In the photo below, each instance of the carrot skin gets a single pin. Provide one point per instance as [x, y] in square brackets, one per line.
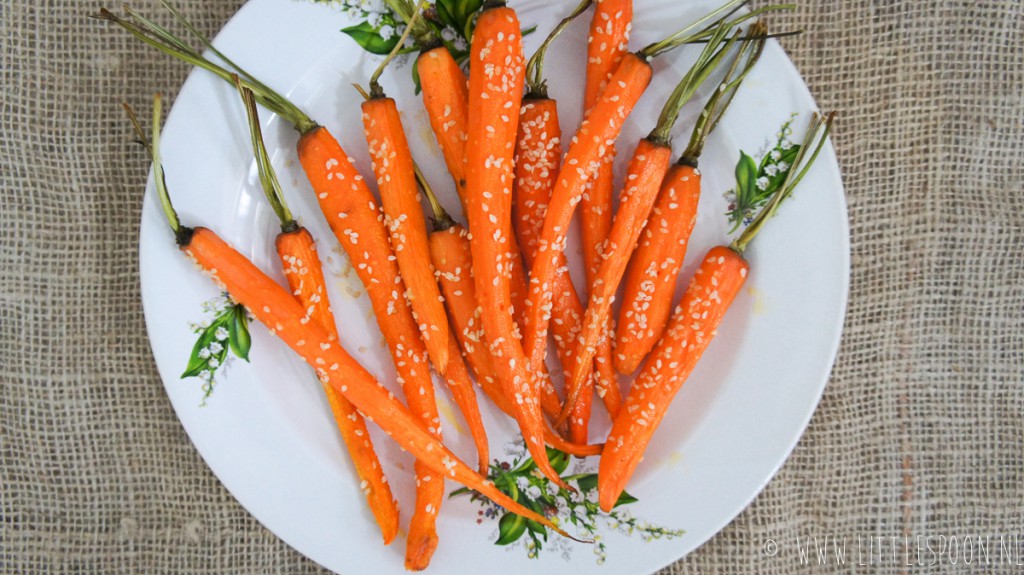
[446, 100]
[495, 86]
[607, 44]
[650, 279]
[710, 293]
[358, 224]
[274, 307]
[302, 269]
[396, 180]
[450, 252]
[599, 130]
[538, 160]
[461, 388]
[644, 177]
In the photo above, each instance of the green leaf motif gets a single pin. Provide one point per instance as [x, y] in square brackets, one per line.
[746, 176]
[446, 15]
[587, 482]
[238, 333]
[510, 528]
[465, 10]
[370, 39]
[625, 499]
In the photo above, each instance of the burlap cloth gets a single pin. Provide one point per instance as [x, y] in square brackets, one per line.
[920, 430]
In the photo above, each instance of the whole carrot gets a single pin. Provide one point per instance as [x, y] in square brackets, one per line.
[274, 307]
[598, 130]
[358, 223]
[646, 174]
[302, 269]
[538, 159]
[607, 43]
[446, 100]
[694, 322]
[495, 94]
[392, 163]
[450, 252]
[651, 276]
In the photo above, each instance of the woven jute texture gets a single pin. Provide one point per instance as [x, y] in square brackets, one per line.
[920, 431]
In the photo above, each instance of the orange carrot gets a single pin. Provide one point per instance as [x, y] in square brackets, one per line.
[607, 43]
[600, 128]
[450, 254]
[654, 266]
[392, 163]
[694, 322]
[357, 222]
[495, 93]
[648, 167]
[446, 99]
[538, 157]
[302, 269]
[274, 307]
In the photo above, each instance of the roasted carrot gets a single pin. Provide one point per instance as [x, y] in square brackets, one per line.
[646, 173]
[598, 130]
[654, 266]
[538, 158]
[357, 222]
[607, 43]
[392, 163]
[277, 309]
[694, 322]
[450, 253]
[495, 94]
[302, 269]
[446, 99]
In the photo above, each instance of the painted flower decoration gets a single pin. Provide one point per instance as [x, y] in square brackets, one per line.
[757, 181]
[522, 481]
[223, 335]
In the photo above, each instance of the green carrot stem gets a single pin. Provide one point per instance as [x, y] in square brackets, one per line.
[718, 103]
[268, 177]
[536, 85]
[705, 27]
[796, 173]
[376, 91]
[182, 234]
[708, 59]
[165, 41]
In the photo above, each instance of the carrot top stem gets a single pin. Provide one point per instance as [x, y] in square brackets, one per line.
[440, 218]
[817, 125]
[718, 103]
[535, 82]
[182, 234]
[708, 60]
[268, 177]
[165, 41]
[375, 89]
[705, 27]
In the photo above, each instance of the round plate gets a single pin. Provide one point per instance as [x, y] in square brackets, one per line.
[266, 430]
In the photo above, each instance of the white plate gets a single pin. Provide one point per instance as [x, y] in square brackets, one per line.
[266, 431]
